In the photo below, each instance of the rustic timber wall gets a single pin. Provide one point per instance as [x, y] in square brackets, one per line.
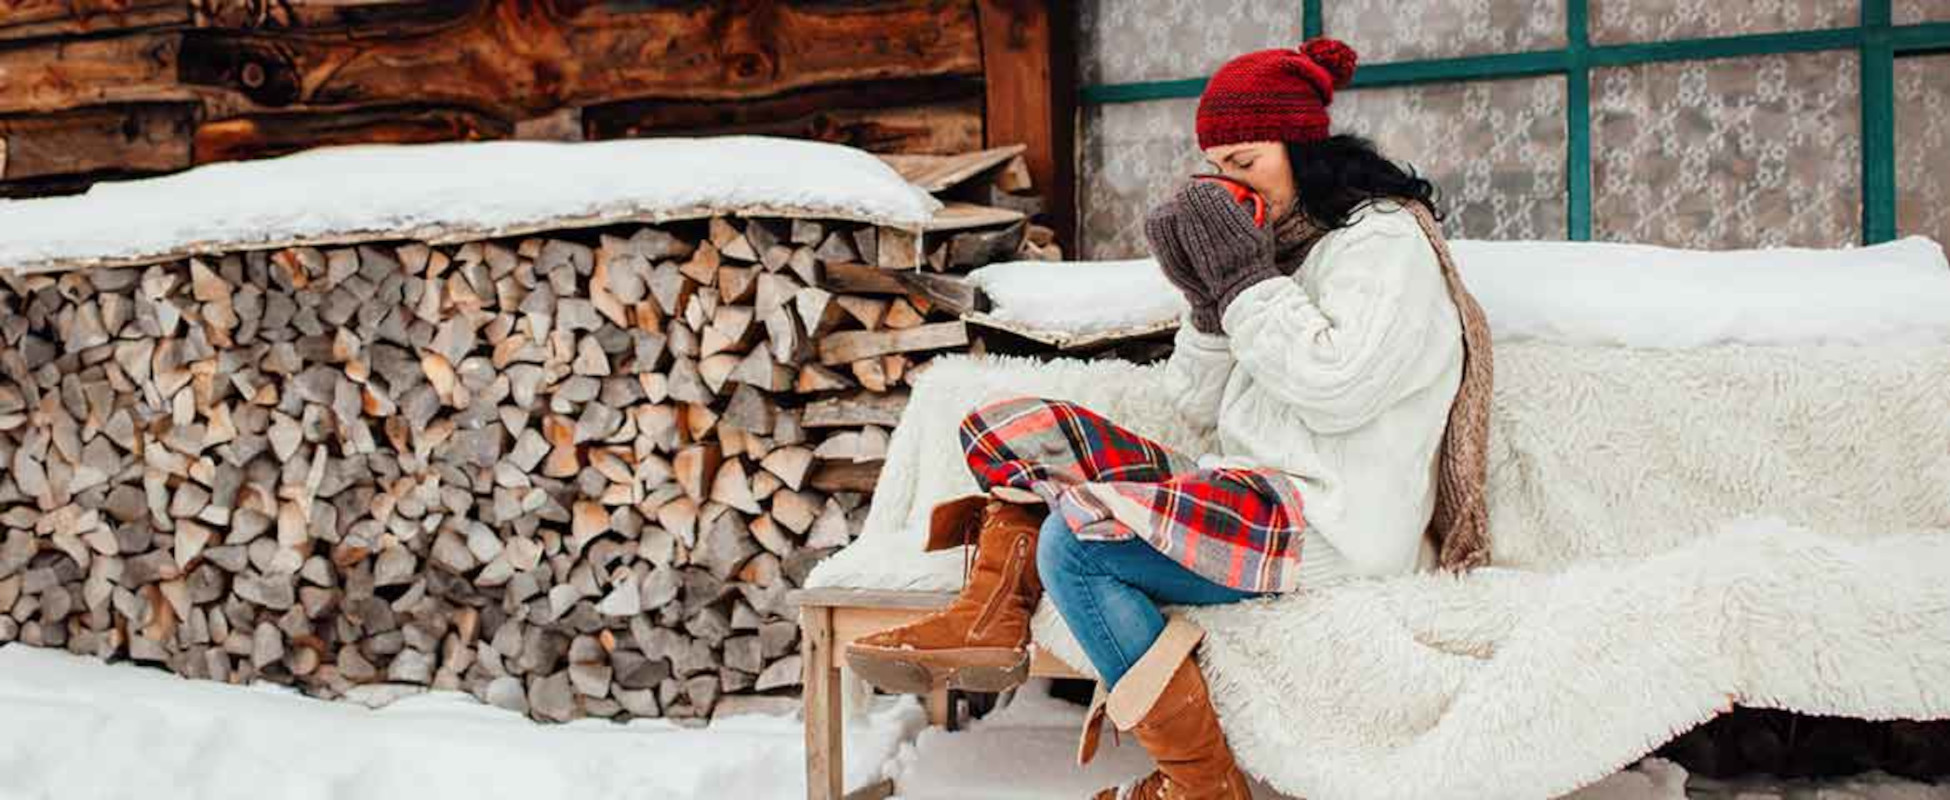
[100, 89]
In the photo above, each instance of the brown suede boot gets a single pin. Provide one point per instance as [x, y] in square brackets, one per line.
[1163, 701]
[980, 641]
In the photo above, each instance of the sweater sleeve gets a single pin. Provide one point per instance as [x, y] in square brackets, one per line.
[1195, 374]
[1371, 334]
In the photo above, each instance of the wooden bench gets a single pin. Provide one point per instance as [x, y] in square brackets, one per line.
[828, 620]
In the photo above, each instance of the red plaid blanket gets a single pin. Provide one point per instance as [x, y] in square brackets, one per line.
[1236, 527]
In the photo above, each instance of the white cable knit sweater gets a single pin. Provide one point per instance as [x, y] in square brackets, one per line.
[1341, 376]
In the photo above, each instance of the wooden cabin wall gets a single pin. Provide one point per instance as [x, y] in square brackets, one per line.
[101, 89]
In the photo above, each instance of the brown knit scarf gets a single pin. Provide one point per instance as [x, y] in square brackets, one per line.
[1459, 526]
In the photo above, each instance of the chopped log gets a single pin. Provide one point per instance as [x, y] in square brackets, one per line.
[901, 315]
[867, 311]
[860, 408]
[850, 277]
[845, 346]
[786, 339]
[866, 444]
[818, 311]
[814, 378]
[790, 464]
[845, 476]
[871, 374]
[733, 488]
[759, 370]
[694, 466]
[976, 248]
[949, 294]
[897, 249]
[749, 410]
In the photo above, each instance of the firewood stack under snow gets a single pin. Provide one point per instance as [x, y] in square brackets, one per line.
[574, 473]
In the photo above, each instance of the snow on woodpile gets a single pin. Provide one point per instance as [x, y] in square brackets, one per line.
[451, 192]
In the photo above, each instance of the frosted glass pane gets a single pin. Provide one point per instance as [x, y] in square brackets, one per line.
[1738, 152]
[1910, 12]
[1495, 149]
[1923, 146]
[1133, 154]
[1380, 30]
[1655, 20]
[1121, 41]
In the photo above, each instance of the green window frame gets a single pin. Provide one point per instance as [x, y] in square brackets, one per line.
[1877, 41]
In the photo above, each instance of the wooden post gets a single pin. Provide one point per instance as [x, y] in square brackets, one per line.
[825, 759]
[1029, 79]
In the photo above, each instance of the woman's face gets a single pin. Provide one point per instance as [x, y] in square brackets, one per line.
[1261, 165]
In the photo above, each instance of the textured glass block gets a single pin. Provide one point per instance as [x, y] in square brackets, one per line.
[1736, 152]
[1495, 149]
[1122, 41]
[1657, 20]
[1133, 155]
[1380, 31]
[1923, 146]
[1910, 12]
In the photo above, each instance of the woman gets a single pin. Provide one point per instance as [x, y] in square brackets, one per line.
[1346, 373]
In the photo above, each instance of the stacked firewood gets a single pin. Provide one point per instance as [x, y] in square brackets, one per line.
[572, 474]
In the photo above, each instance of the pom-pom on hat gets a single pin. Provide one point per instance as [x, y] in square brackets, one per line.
[1278, 95]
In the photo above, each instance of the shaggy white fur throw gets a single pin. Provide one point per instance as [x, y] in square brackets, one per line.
[1674, 531]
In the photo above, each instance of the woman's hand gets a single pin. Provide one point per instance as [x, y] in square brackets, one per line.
[1209, 247]
[1161, 230]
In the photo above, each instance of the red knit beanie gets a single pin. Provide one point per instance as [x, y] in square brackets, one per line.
[1278, 95]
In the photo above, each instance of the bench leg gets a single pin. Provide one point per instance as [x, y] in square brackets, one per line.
[940, 708]
[825, 761]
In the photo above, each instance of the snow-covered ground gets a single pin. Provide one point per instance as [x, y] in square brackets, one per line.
[73, 728]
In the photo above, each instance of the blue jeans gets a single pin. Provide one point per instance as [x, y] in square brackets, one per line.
[1109, 593]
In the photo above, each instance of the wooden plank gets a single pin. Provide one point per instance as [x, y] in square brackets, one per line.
[319, 15]
[825, 753]
[132, 138]
[27, 19]
[853, 277]
[277, 133]
[956, 216]
[844, 346]
[936, 173]
[57, 74]
[845, 476]
[1029, 74]
[508, 57]
[919, 115]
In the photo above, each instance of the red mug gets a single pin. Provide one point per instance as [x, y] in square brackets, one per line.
[1242, 193]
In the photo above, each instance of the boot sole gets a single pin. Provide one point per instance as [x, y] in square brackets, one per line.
[983, 669]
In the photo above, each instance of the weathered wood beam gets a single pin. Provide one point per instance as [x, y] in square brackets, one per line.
[277, 133]
[525, 58]
[144, 137]
[26, 19]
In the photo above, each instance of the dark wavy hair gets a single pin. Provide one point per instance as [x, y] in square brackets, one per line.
[1333, 175]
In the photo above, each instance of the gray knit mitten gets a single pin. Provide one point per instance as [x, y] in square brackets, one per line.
[1228, 250]
[1161, 231]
